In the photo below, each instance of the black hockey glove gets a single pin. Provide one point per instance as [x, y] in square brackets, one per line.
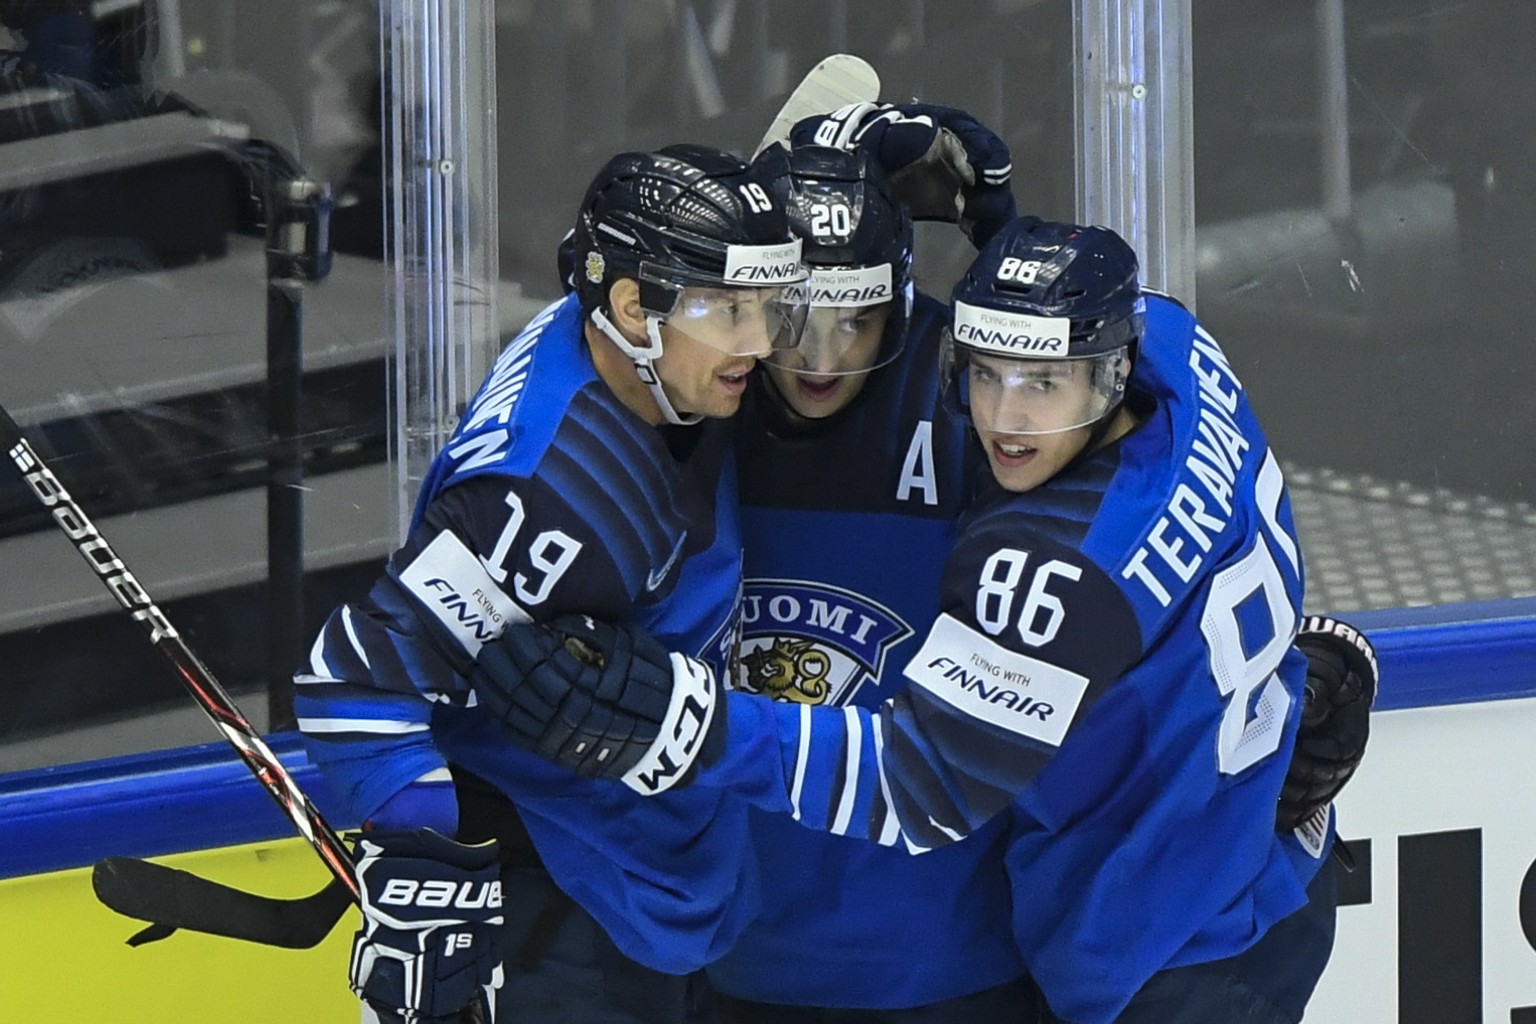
[429, 947]
[1335, 719]
[942, 162]
[607, 701]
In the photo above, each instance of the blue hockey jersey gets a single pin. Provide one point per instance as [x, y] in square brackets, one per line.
[1113, 664]
[551, 497]
[847, 523]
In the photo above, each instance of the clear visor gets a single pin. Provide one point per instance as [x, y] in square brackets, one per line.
[839, 343]
[739, 321]
[1042, 396]
[846, 326]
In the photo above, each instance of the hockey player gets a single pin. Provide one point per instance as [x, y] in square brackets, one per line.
[1112, 663]
[591, 471]
[826, 622]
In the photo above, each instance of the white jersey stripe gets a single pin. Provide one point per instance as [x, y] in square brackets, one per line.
[801, 756]
[378, 726]
[850, 793]
[892, 827]
[317, 664]
[346, 620]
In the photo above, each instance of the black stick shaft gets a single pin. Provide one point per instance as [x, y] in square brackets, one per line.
[195, 676]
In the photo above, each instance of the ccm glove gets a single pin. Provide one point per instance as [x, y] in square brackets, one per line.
[607, 701]
[942, 162]
[428, 949]
[1335, 718]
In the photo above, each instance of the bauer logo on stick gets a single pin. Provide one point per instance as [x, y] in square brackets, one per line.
[79, 528]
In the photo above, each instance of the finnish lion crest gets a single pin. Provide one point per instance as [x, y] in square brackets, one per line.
[809, 643]
[792, 670]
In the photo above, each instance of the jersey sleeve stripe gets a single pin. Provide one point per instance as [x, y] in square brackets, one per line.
[334, 654]
[848, 785]
[346, 621]
[802, 756]
[375, 726]
[318, 668]
[884, 825]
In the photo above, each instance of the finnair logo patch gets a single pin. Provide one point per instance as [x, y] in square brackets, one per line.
[985, 680]
[764, 264]
[864, 286]
[1011, 334]
[450, 582]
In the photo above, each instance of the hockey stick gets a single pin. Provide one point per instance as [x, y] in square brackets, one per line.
[203, 687]
[835, 81]
[170, 899]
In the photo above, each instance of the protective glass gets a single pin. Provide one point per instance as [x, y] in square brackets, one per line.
[739, 321]
[845, 330]
[1041, 396]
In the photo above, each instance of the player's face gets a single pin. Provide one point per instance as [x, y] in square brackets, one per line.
[698, 378]
[1017, 406]
[712, 339]
[821, 375]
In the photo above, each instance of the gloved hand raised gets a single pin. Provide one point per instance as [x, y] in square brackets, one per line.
[942, 162]
[607, 701]
[428, 950]
[1335, 720]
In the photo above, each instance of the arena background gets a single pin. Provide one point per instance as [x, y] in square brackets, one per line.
[1342, 188]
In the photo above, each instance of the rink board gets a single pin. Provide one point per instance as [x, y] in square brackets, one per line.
[1441, 819]
[66, 956]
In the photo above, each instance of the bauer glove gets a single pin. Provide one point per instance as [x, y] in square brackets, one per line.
[607, 701]
[429, 947]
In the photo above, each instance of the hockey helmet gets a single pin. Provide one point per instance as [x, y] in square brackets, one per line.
[1046, 324]
[858, 250]
[711, 251]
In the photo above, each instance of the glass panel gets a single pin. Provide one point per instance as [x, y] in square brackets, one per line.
[579, 82]
[1365, 189]
[166, 308]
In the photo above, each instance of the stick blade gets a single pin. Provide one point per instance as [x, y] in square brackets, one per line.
[835, 81]
[169, 898]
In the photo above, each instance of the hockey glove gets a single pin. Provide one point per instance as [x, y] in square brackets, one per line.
[1335, 718]
[429, 944]
[607, 701]
[942, 162]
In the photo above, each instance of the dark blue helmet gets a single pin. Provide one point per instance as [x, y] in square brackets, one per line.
[1046, 324]
[813, 181]
[689, 215]
[857, 235]
[1086, 276]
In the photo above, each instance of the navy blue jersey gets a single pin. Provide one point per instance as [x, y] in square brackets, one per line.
[1112, 662]
[847, 523]
[550, 497]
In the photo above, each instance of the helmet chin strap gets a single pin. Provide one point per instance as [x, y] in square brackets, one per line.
[644, 366]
